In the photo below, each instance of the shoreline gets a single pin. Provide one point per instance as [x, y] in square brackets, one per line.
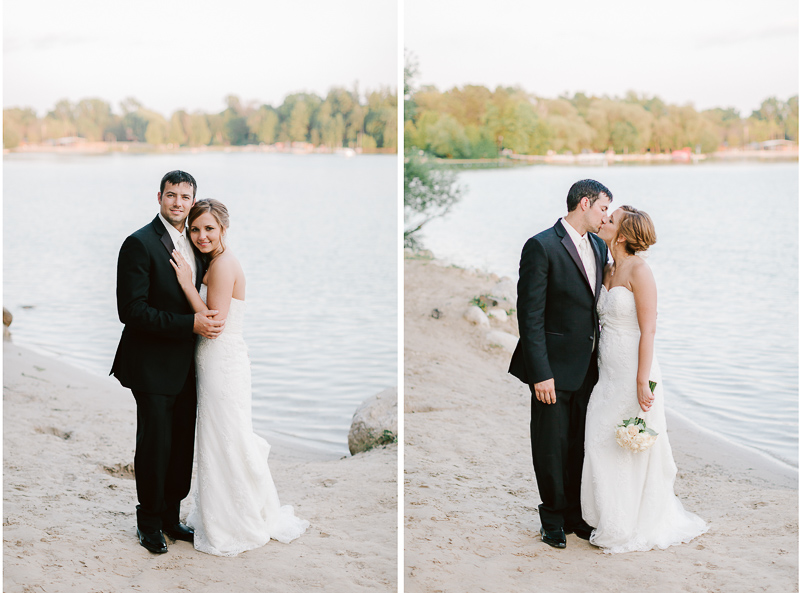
[471, 501]
[69, 500]
[137, 148]
[600, 159]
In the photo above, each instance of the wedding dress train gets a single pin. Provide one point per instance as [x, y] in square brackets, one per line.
[236, 506]
[628, 497]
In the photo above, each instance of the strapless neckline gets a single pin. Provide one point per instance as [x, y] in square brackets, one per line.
[618, 286]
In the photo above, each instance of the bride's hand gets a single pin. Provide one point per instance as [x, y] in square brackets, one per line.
[645, 397]
[182, 268]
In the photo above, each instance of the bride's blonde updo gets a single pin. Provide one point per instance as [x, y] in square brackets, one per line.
[637, 228]
[218, 210]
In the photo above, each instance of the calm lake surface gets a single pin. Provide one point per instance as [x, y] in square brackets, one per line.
[726, 265]
[316, 236]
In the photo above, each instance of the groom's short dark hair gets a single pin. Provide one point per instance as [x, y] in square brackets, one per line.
[176, 178]
[588, 188]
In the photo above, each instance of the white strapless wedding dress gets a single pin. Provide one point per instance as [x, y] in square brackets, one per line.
[628, 497]
[236, 506]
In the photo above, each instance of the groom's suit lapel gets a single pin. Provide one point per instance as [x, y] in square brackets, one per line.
[201, 271]
[166, 241]
[599, 266]
[566, 241]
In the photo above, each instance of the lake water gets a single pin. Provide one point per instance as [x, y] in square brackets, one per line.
[316, 236]
[726, 265]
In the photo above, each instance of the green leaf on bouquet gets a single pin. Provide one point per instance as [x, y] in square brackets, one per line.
[652, 386]
[651, 431]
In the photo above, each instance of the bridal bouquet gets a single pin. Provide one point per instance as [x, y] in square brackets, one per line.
[633, 433]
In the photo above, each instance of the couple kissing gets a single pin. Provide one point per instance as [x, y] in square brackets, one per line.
[587, 320]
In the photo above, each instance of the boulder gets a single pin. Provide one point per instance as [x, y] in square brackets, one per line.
[476, 315]
[498, 313]
[505, 340]
[374, 422]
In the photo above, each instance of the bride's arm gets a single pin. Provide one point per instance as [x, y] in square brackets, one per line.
[184, 273]
[643, 286]
[221, 279]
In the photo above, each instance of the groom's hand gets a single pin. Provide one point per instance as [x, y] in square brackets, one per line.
[546, 391]
[207, 327]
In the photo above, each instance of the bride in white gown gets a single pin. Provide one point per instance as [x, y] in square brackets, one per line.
[628, 496]
[236, 506]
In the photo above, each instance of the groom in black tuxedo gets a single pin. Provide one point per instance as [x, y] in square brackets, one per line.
[155, 360]
[560, 276]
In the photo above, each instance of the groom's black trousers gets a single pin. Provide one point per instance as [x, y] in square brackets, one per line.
[557, 436]
[164, 453]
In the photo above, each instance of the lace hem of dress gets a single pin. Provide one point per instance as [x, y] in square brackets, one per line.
[695, 528]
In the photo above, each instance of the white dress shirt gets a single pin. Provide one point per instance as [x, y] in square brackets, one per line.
[585, 252]
[181, 243]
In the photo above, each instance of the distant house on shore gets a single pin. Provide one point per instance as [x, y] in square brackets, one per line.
[779, 144]
[69, 141]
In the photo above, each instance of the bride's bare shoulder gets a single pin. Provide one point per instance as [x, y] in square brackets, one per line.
[641, 272]
[225, 262]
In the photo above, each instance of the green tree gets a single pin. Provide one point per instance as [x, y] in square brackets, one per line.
[199, 134]
[176, 134]
[236, 131]
[92, 117]
[410, 71]
[568, 130]
[20, 125]
[216, 125]
[263, 124]
[381, 117]
[157, 128]
[354, 124]
[297, 127]
[447, 139]
[791, 119]
[429, 192]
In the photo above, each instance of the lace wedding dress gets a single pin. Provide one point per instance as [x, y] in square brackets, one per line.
[236, 506]
[628, 497]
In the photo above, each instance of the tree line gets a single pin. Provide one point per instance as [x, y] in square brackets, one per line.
[338, 120]
[475, 122]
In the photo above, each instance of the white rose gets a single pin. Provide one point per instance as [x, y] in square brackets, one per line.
[633, 430]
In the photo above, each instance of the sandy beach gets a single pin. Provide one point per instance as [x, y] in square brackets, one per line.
[471, 521]
[69, 519]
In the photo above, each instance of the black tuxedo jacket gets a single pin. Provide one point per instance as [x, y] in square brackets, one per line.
[556, 309]
[156, 350]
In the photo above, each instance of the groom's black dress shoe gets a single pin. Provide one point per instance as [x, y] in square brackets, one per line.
[583, 530]
[179, 531]
[153, 541]
[554, 537]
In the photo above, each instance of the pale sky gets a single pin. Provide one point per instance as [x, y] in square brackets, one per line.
[711, 53]
[191, 54]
